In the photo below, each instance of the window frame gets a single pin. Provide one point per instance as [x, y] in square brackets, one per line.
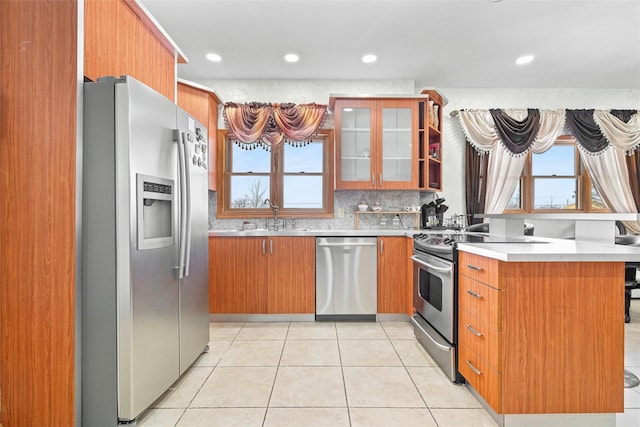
[276, 182]
[583, 200]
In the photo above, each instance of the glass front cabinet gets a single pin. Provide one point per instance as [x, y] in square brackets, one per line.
[380, 143]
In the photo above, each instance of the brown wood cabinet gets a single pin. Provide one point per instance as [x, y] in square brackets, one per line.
[376, 143]
[237, 269]
[430, 141]
[119, 39]
[38, 284]
[393, 283]
[391, 143]
[202, 103]
[262, 275]
[542, 337]
[291, 275]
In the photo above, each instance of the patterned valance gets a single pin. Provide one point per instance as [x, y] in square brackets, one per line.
[517, 130]
[268, 125]
[521, 130]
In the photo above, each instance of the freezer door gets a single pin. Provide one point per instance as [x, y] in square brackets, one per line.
[147, 289]
[194, 240]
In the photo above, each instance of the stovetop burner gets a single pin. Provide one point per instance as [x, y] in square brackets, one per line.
[428, 241]
[442, 244]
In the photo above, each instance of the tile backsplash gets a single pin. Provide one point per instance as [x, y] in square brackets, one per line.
[347, 201]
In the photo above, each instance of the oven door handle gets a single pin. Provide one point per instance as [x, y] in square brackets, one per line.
[444, 270]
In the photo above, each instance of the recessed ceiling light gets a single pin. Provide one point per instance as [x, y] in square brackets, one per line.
[524, 59]
[368, 59]
[214, 57]
[291, 57]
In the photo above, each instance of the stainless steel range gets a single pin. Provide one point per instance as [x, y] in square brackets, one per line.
[435, 298]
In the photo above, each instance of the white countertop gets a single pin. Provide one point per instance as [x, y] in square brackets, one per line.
[548, 250]
[631, 216]
[312, 233]
[554, 250]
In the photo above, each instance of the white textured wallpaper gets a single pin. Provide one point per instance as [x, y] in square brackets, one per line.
[303, 91]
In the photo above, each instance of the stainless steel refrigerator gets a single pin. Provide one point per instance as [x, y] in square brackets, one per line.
[145, 311]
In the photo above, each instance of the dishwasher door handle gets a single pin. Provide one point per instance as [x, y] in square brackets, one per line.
[345, 244]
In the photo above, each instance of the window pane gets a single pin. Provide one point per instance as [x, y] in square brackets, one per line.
[256, 160]
[303, 159]
[558, 160]
[555, 193]
[302, 192]
[515, 202]
[249, 192]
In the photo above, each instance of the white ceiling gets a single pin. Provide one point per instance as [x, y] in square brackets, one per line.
[439, 43]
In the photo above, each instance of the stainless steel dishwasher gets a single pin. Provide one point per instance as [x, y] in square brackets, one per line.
[346, 278]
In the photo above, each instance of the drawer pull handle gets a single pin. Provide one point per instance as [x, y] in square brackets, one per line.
[473, 294]
[474, 331]
[474, 369]
[474, 267]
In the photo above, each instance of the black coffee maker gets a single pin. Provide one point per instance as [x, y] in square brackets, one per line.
[434, 209]
[425, 212]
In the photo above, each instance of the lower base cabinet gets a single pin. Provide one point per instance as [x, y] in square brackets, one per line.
[542, 337]
[262, 275]
[394, 284]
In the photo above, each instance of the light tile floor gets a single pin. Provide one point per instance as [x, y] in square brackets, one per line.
[332, 374]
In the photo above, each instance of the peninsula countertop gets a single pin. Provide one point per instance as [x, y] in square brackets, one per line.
[552, 250]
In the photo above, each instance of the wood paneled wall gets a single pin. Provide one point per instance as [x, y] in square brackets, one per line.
[38, 118]
[117, 42]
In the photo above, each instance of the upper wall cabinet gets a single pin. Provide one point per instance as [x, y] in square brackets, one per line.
[430, 141]
[376, 143]
[120, 38]
[202, 103]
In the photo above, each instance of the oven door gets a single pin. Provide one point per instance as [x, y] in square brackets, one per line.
[433, 293]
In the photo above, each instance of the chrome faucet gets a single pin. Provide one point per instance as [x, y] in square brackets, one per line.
[275, 213]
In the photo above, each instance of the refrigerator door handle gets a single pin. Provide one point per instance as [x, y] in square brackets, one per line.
[187, 259]
[185, 205]
[182, 207]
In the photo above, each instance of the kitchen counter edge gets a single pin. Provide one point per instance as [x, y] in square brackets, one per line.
[554, 250]
[313, 233]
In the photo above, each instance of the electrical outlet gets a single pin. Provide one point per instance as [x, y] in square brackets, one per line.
[340, 212]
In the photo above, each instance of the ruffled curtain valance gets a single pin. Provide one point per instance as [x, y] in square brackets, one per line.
[536, 133]
[594, 130]
[586, 131]
[516, 135]
[267, 125]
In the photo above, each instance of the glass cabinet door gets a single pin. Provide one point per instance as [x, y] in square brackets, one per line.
[397, 135]
[376, 144]
[355, 143]
[396, 144]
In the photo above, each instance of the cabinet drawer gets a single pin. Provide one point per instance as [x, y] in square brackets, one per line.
[480, 338]
[479, 268]
[481, 377]
[481, 301]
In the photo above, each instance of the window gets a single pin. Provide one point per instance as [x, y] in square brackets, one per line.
[555, 181]
[298, 179]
